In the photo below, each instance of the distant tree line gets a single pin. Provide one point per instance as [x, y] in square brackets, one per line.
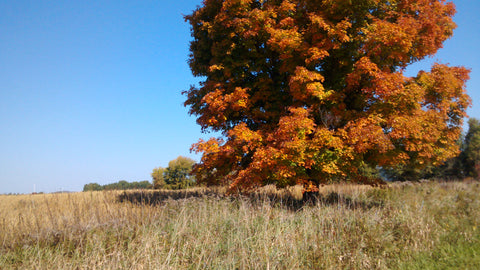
[121, 185]
[176, 176]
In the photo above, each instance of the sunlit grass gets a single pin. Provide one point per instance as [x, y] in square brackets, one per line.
[419, 226]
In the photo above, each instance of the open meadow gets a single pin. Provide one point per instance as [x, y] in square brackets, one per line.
[426, 225]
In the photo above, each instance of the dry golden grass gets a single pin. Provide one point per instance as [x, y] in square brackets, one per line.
[417, 226]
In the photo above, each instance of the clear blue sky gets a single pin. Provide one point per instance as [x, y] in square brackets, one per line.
[90, 91]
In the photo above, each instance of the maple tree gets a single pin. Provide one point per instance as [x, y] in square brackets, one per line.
[313, 91]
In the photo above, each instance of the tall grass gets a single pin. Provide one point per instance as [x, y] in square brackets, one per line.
[417, 226]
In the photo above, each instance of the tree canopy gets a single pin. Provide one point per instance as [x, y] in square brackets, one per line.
[176, 175]
[312, 91]
[471, 152]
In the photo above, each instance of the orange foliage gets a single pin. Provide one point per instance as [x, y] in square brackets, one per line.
[305, 92]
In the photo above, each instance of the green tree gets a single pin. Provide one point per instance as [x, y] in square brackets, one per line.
[92, 187]
[141, 185]
[120, 185]
[176, 175]
[471, 152]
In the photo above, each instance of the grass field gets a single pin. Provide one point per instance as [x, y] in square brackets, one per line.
[405, 226]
